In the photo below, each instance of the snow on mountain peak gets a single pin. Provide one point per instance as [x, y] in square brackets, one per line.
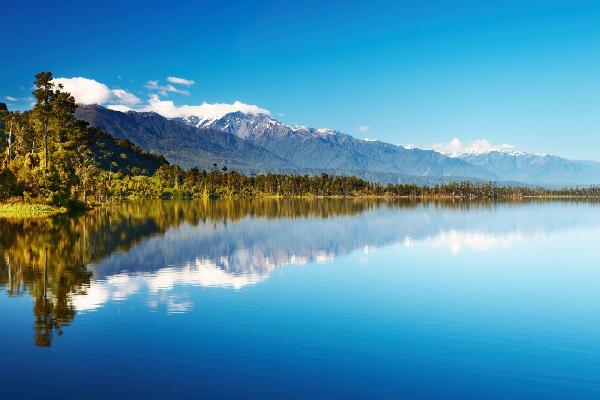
[199, 114]
[456, 148]
[324, 131]
[248, 123]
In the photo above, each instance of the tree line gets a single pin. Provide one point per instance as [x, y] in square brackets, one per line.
[49, 156]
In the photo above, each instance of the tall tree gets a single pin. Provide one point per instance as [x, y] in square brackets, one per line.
[45, 94]
[3, 116]
[11, 123]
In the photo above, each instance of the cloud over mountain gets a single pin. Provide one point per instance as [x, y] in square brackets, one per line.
[90, 91]
[167, 108]
[480, 146]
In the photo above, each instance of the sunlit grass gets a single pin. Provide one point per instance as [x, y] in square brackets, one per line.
[29, 210]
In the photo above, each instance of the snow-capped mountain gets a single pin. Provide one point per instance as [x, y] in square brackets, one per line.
[255, 143]
[327, 149]
[473, 152]
[525, 167]
[184, 145]
[510, 164]
[456, 148]
[251, 126]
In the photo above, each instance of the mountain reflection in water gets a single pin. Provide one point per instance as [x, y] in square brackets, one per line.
[72, 264]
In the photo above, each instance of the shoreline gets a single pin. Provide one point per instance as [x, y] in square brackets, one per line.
[29, 211]
[41, 210]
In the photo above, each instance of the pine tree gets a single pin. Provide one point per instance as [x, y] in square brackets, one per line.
[45, 94]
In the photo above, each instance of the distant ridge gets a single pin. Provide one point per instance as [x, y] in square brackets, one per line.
[537, 169]
[311, 148]
[258, 143]
[184, 145]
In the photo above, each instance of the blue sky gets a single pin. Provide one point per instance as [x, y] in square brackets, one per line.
[525, 73]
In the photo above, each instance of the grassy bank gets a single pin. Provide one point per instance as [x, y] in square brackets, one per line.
[20, 210]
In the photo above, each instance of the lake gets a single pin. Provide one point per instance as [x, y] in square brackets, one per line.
[326, 298]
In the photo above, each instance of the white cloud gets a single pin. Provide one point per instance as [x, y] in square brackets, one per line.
[167, 108]
[90, 91]
[363, 128]
[84, 90]
[125, 97]
[18, 99]
[119, 107]
[456, 148]
[180, 81]
[164, 90]
[171, 88]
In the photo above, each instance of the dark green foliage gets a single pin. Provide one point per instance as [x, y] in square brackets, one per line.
[130, 159]
[45, 96]
[3, 138]
[173, 182]
[50, 156]
[8, 184]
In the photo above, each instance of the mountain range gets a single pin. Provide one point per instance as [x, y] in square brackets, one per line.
[258, 143]
[536, 169]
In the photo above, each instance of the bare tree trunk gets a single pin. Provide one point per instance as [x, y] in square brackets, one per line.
[46, 143]
[46, 276]
[84, 192]
[46, 289]
[10, 280]
[10, 141]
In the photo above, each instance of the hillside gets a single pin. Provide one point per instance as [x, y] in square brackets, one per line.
[327, 149]
[120, 155]
[256, 143]
[537, 169]
[184, 145]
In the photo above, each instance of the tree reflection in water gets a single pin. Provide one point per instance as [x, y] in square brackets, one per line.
[48, 258]
[56, 260]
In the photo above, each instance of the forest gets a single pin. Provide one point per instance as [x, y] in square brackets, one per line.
[50, 157]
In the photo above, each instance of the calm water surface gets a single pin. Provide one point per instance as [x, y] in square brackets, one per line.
[303, 299]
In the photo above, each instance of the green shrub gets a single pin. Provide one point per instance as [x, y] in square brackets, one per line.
[8, 184]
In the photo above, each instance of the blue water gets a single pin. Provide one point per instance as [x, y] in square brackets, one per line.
[419, 300]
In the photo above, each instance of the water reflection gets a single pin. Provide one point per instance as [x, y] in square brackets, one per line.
[78, 263]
